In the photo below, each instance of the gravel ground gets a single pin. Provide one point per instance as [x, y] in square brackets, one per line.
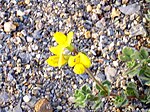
[100, 30]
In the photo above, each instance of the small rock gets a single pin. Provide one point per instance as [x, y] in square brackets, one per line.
[59, 107]
[115, 12]
[111, 46]
[89, 8]
[34, 47]
[125, 1]
[107, 8]
[32, 102]
[110, 32]
[99, 25]
[138, 30]
[20, 13]
[27, 2]
[94, 17]
[71, 99]
[43, 105]
[29, 39]
[9, 77]
[87, 34]
[110, 73]
[130, 9]
[27, 98]
[9, 26]
[115, 63]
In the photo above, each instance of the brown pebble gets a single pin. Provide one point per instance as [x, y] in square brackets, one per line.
[87, 34]
[43, 105]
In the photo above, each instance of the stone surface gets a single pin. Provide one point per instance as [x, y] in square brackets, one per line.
[27, 98]
[130, 9]
[43, 105]
[110, 73]
[9, 26]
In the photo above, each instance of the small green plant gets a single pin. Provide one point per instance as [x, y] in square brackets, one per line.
[121, 100]
[131, 90]
[84, 95]
[137, 62]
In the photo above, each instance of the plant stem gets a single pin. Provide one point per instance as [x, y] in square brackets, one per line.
[94, 79]
[91, 75]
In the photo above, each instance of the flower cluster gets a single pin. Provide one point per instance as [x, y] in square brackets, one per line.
[80, 61]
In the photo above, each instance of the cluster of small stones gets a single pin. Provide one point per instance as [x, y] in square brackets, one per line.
[26, 29]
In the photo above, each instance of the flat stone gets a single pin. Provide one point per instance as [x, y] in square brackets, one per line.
[138, 30]
[115, 13]
[130, 9]
[29, 39]
[9, 26]
[87, 34]
[43, 105]
[89, 8]
[110, 73]
[27, 98]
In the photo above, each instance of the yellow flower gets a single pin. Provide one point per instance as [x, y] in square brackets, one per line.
[80, 62]
[59, 58]
[62, 39]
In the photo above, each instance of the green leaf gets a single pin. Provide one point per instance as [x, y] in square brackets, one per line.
[127, 51]
[136, 56]
[120, 101]
[107, 86]
[131, 90]
[86, 89]
[146, 98]
[133, 72]
[97, 105]
[143, 53]
[124, 58]
[131, 64]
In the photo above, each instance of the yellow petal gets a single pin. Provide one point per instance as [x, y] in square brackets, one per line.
[61, 58]
[79, 69]
[60, 38]
[57, 49]
[69, 38]
[84, 60]
[71, 61]
[53, 61]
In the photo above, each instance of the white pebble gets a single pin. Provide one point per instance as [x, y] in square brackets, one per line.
[27, 98]
[9, 26]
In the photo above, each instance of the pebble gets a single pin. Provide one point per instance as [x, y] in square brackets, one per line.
[99, 25]
[20, 13]
[29, 39]
[9, 26]
[138, 30]
[115, 13]
[89, 8]
[27, 98]
[87, 34]
[34, 47]
[9, 77]
[59, 107]
[43, 105]
[27, 2]
[130, 9]
[110, 73]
